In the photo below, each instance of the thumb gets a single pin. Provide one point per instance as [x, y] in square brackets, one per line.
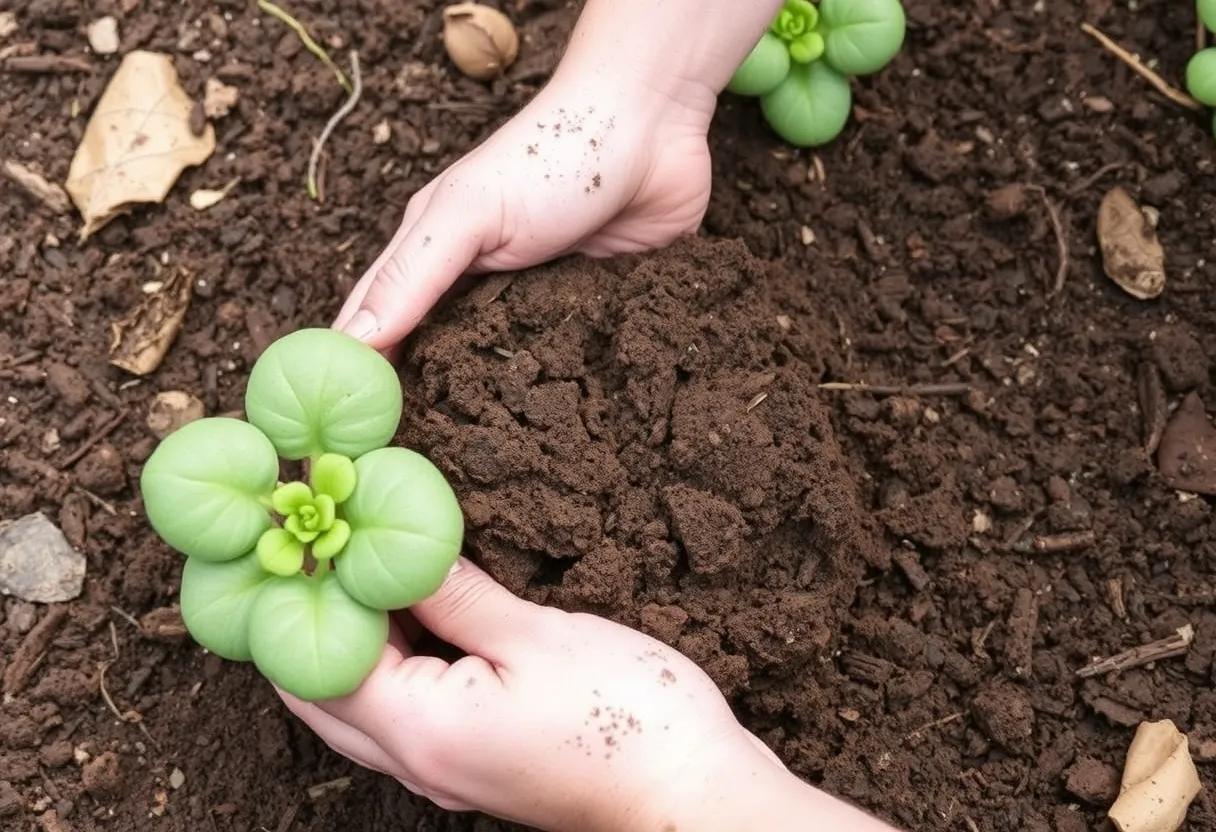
[477, 614]
[414, 272]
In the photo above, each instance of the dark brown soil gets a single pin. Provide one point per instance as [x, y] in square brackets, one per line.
[646, 438]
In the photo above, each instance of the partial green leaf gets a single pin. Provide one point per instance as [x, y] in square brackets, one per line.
[763, 69]
[216, 599]
[326, 511]
[294, 525]
[330, 544]
[333, 474]
[280, 552]
[1201, 76]
[406, 530]
[318, 390]
[288, 498]
[796, 18]
[862, 36]
[811, 106]
[309, 637]
[1207, 13]
[203, 486]
[807, 48]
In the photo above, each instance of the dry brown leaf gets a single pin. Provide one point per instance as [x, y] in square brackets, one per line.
[480, 40]
[136, 143]
[1131, 253]
[1159, 781]
[139, 341]
[48, 193]
[1186, 455]
[171, 409]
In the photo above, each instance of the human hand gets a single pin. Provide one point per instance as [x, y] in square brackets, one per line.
[561, 721]
[594, 166]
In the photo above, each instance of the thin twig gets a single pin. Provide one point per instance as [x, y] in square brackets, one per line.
[342, 113]
[306, 39]
[937, 723]
[899, 390]
[1057, 227]
[1175, 645]
[1164, 87]
[1086, 183]
[88, 444]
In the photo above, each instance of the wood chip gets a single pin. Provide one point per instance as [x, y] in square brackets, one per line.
[139, 341]
[26, 658]
[34, 184]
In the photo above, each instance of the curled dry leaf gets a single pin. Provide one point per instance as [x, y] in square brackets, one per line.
[1187, 454]
[171, 409]
[219, 98]
[139, 341]
[48, 193]
[137, 142]
[481, 41]
[204, 198]
[1159, 781]
[1153, 407]
[1131, 253]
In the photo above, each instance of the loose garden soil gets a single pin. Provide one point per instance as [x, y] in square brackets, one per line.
[646, 438]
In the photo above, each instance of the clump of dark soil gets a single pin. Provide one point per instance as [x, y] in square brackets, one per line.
[646, 438]
[648, 432]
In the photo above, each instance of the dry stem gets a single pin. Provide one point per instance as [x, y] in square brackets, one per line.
[899, 390]
[1175, 645]
[342, 113]
[1164, 87]
[306, 39]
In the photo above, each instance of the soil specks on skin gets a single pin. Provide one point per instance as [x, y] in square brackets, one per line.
[532, 150]
[667, 678]
[613, 725]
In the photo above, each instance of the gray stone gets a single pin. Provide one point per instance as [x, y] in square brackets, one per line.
[36, 561]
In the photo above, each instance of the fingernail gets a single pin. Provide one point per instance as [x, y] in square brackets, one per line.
[362, 325]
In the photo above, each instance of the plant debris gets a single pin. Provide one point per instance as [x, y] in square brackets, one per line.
[306, 39]
[1186, 456]
[1131, 253]
[1168, 90]
[136, 143]
[1153, 406]
[170, 410]
[1165, 648]
[139, 341]
[1159, 781]
[219, 98]
[204, 198]
[343, 111]
[480, 40]
[48, 193]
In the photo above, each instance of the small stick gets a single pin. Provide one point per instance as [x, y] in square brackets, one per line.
[1051, 544]
[1057, 227]
[1164, 87]
[1086, 183]
[342, 113]
[937, 723]
[88, 444]
[1165, 648]
[756, 401]
[104, 505]
[900, 390]
[26, 657]
[45, 64]
[306, 39]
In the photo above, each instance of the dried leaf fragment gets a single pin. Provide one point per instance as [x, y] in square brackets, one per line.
[103, 35]
[137, 141]
[1153, 406]
[139, 341]
[480, 40]
[1159, 781]
[204, 198]
[8, 24]
[48, 193]
[219, 98]
[170, 410]
[1131, 253]
[1187, 453]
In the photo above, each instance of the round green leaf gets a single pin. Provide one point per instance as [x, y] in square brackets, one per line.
[318, 390]
[1201, 76]
[331, 543]
[287, 498]
[406, 530]
[1207, 13]
[807, 48]
[216, 599]
[312, 639]
[862, 35]
[280, 552]
[763, 69]
[811, 106]
[203, 486]
[333, 474]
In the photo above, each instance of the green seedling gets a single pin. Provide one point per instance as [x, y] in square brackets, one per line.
[1201, 71]
[297, 576]
[800, 68]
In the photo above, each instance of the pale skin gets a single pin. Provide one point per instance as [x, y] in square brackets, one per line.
[556, 720]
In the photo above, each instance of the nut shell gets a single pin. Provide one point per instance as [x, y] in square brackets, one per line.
[480, 40]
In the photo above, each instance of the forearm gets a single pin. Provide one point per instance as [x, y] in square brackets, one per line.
[687, 49]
